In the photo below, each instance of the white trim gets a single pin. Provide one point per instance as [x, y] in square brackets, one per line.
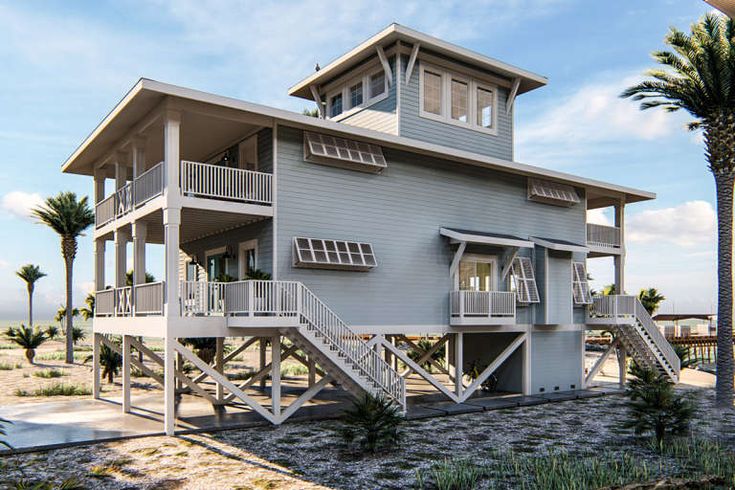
[561, 247]
[512, 95]
[274, 193]
[386, 65]
[318, 100]
[487, 240]
[412, 61]
[473, 85]
[483, 259]
[368, 99]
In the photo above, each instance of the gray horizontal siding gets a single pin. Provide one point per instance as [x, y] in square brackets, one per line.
[556, 361]
[400, 212]
[412, 125]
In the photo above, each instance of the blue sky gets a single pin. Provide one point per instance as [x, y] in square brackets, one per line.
[66, 64]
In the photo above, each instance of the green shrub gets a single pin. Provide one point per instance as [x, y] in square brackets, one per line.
[294, 370]
[49, 373]
[426, 344]
[7, 366]
[654, 406]
[56, 389]
[110, 360]
[457, 474]
[372, 425]
[29, 338]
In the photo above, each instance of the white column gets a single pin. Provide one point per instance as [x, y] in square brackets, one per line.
[99, 264]
[622, 366]
[169, 387]
[171, 223]
[619, 260]
[458, 363]
[96, 365]
[312, 372]
[121, 170]
[121, 258]
[138, 156]
[171, 157]
[263, 348]
[219, 362]
[126, 373]
[527, 364]
[276, 376]
[99, 185]
[140, 230]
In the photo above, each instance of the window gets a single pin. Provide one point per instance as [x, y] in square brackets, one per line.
[457, 99]
[333, 254]
[377, 84]
[356, 95]
[432, 93]
[484, 107]
[335, 105]
[524, 280]
[460, 100]
[355, 155]
[554, 193]
[580, 286]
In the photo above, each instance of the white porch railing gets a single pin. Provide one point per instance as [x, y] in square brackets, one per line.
[491, 304]
[206, 180]
[104, 303]
[104, 211]
[293, 300]
[614, 306]
[148, 299]
[603, 236]
[124, 301]
[124, 200]
[148, 185]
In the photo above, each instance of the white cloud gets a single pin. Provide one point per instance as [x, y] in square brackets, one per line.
[20, 204]
[599, 217]
[689, 224]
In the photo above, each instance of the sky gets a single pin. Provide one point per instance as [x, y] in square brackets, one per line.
[64, 65]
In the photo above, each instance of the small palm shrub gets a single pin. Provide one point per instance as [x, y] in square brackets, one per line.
[654, 407]
[3, 434]
[372, 425]
[476, 368]
[110, 361]
[49, 373]
[204, 347]
[29, 338]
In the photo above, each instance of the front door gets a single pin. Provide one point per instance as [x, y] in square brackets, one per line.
[477, 273]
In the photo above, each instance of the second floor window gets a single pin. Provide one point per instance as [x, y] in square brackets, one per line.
[485, 99]
[460, 100]
[432, 92]
[356, 95]
[377, 84]
[335, 105]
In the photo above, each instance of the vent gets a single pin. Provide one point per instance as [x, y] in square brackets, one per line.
[340, 152]
[580, 286]
[547, 192]
[524, 280]
[317, 253]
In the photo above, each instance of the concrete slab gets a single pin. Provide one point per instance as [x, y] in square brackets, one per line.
[451, 408]
[494, 403]
[528, 401]
[560, 396]
[417, 412]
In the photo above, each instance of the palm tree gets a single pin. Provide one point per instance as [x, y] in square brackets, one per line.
[68, 217]
[650, 299]
[129, 278]
[30, 274]
[88, 311]
[699, 77]
[28, 338]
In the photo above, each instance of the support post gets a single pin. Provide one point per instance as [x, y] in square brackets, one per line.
[138, 156]
[99, 185]
[619, 260]
[126, 373]
[458, 363]
[622, 365]
[276, 377]
[261, 366]
[171, 223]
[96, 388]
[219, 362]
[312, 372]
[169, 388]
[99, 264]
[121, 257]
[527, 364]
[139, 237]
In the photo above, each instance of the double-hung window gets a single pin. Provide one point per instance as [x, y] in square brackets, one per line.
[458, 99]
[354, 93]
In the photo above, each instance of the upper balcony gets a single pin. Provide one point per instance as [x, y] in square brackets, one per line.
[482, 308]
[197, 180]
[604, 240]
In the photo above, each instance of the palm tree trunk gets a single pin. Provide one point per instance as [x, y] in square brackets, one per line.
[69, 264]
[30, 305]
[724, 184]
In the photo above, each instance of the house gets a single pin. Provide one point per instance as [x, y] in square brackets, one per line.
[398, 212]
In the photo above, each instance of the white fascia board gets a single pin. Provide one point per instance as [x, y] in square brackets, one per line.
[301, 121]
[485, 240]
[562, 247]
[399, 32]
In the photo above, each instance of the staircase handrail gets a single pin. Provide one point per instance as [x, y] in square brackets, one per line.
[666, 349]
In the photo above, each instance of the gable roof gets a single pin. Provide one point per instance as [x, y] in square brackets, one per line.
[397, 32]
[147, 95]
